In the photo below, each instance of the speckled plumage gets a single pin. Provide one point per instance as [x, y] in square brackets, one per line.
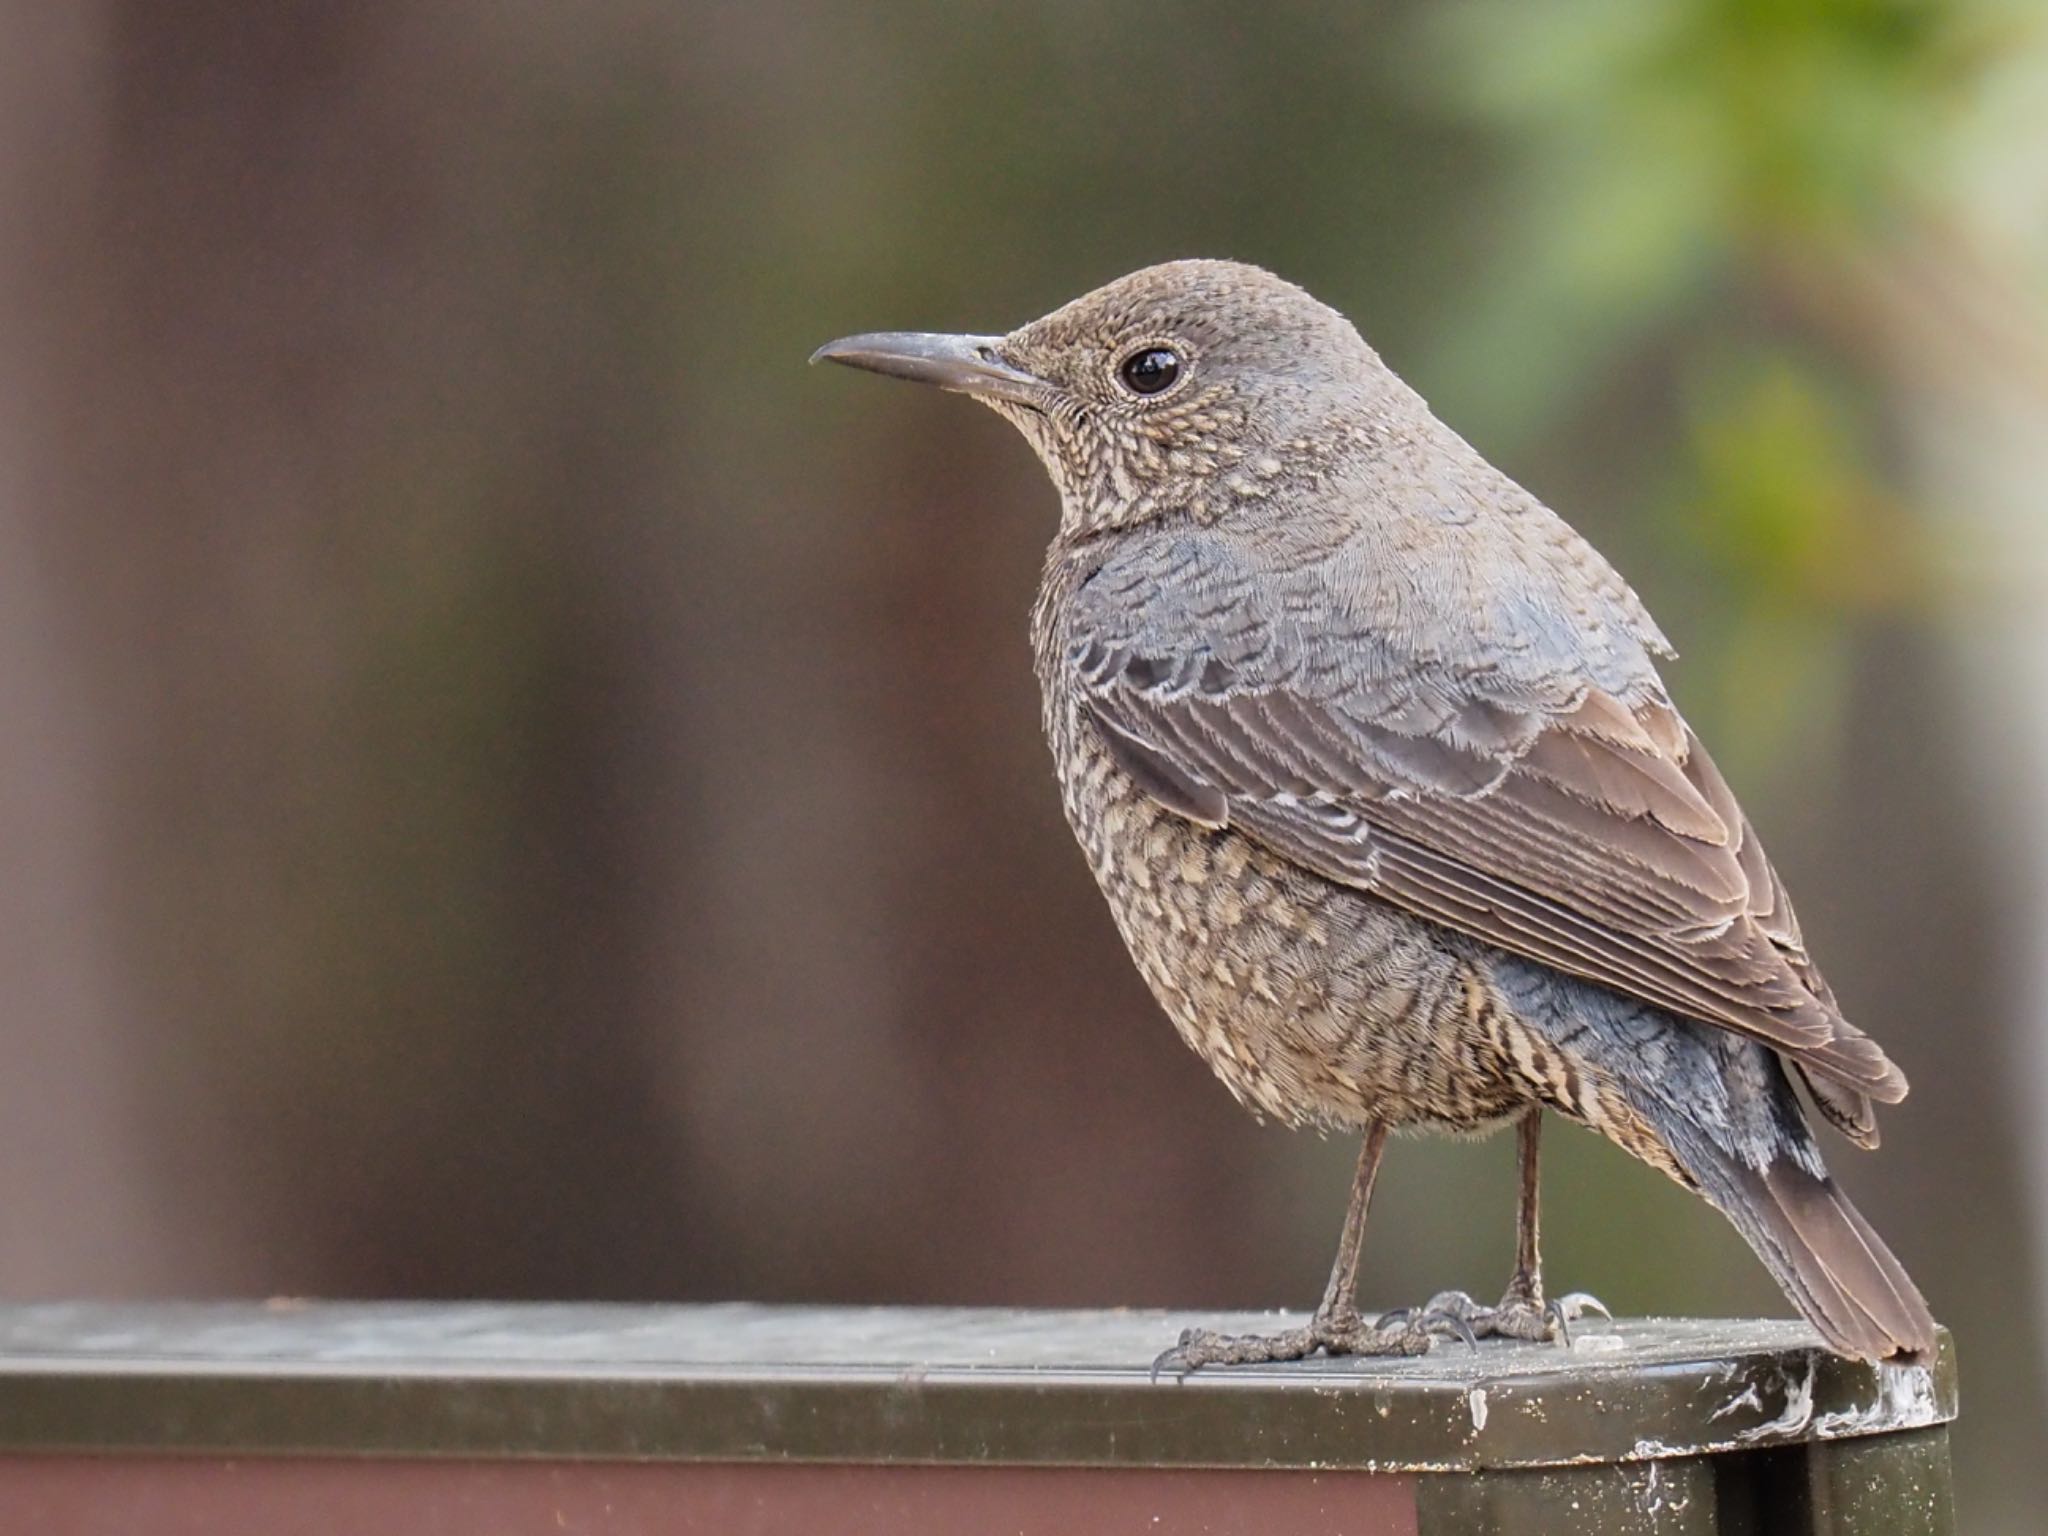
[1369, 754]
[1312, 1004]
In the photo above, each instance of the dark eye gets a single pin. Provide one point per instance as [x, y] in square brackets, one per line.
[1150, 371]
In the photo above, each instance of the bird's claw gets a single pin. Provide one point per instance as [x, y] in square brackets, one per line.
[1447, 1314]
[1198, 1347]
[1335, 1334]
[1578, 1303]
[1403, 1331]
[1519, 1316]
[1560, 1312]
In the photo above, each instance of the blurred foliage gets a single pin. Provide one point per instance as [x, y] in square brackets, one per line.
[1780, 497]
[1728, 169]
[1664, 146]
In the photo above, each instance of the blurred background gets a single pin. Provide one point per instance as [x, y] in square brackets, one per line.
[511, 785]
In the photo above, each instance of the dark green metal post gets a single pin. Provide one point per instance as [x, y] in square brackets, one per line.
[733, 1419]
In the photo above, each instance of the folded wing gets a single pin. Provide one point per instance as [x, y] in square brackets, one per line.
[1563, 812]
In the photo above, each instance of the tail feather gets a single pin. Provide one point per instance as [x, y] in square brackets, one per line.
[1846, 1109]
[1720, 1112]
[1827, 1258]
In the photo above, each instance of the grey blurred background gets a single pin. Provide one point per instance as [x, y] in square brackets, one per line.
[511, 785]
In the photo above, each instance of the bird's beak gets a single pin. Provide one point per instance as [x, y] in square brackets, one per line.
[969, 365]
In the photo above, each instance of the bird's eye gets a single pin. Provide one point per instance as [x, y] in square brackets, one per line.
[1149, 370]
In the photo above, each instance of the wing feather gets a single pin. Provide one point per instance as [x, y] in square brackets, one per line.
[1569, 819]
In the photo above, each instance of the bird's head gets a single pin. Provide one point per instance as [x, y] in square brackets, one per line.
[1185, 388]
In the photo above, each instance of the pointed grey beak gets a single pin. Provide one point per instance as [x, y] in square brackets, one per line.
[969, 365]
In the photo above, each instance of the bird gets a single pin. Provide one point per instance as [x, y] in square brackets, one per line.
[1369, 752]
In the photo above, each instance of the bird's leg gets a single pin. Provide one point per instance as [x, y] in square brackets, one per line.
[1522, 1313]
[1335, 1328]
[1525, 1288]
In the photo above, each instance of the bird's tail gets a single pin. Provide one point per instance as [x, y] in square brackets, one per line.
[1818, 1247]
[1722, 1108]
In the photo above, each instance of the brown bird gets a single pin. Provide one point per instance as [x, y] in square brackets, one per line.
[1368, 751]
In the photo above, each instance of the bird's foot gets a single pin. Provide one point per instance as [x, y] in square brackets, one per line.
[1522, 1314]
[1334, 1334]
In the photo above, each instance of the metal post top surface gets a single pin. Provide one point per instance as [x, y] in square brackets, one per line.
[743, 1382]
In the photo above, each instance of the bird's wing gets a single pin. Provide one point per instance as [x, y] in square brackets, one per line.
[1564, 813]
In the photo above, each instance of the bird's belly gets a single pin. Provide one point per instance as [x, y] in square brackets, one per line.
[1313, 1002]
